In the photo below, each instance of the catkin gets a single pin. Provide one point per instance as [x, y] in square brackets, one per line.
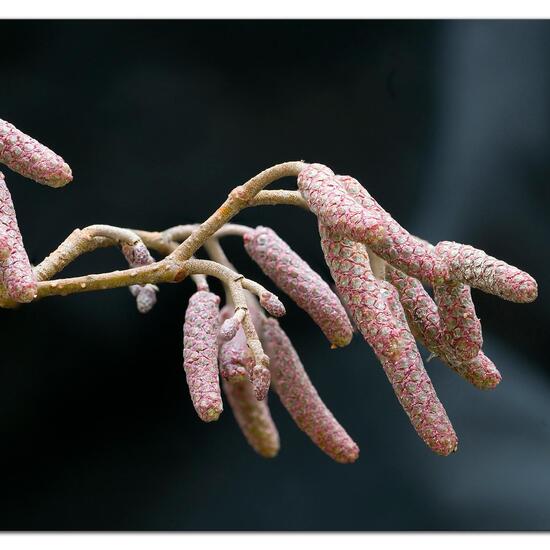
[400, 249]
[31, 159]
[295, 277]
[345, 208]
[253, 418]
[200, 354]
[425, 323]
[301, 399]
[460, 327]
[390, 338]
[476, 268]
[16, 273]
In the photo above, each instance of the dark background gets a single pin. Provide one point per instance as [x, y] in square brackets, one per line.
[448, 126]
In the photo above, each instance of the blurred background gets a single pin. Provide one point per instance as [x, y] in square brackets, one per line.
[446, 123]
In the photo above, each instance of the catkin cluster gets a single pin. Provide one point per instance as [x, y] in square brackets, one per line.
[379, 271]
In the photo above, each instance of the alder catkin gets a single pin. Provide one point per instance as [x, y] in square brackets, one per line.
[295, 277]
[390, 338]
[345, 208]
[476, 268]
[200, 354]
[460, 327]
[400, 249]
[301, 399]
[253, 418]
[16, 273]
[423, 318]
[26, 156]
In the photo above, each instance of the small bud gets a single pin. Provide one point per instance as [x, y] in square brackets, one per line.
[16, 273]
[200, 354]
[31, 159]
[253, 417]
[301, 399]
[146, 297]
[229, 328]
[138, 255]
[295, 277]
[272, 304]
[235, 359]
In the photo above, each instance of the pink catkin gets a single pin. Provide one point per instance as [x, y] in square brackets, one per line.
[391, 339]
[200, 354]
[16, 273]
[295, 277]
[425, 323]
[253, 417]
[460, 327]
[479, 270]
[301, 399]
[138, 255]
[345, 208]
[400, 249]
[31, 159]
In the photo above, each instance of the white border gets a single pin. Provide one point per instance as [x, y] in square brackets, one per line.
[285, 9]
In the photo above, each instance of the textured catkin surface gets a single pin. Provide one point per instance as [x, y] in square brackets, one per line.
[460, 327]
[138, 255]
[301, 399]
[200, 354]
[423, 319]
[383, 325]
[334, 207]
[253, 417]
[31, 159]
[400, 249]
[295, 277]
[476, 268]
[16, 274]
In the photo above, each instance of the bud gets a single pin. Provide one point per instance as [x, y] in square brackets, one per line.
[138, 255]
[200, 354]
[253, 417]
[295, 277]
[16, 273]
[31, 159]
[301, 399]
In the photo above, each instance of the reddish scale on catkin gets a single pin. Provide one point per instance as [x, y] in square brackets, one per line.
[31, 159]
[423, 318]
[253, 418]
[460, 327]
[235, 359]
[344, 207]
[301, 399]
[476, 268]
[200, 354]
[400, 249]
[390, 338]
[138, 255]
[16, 274]
[295, 277]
